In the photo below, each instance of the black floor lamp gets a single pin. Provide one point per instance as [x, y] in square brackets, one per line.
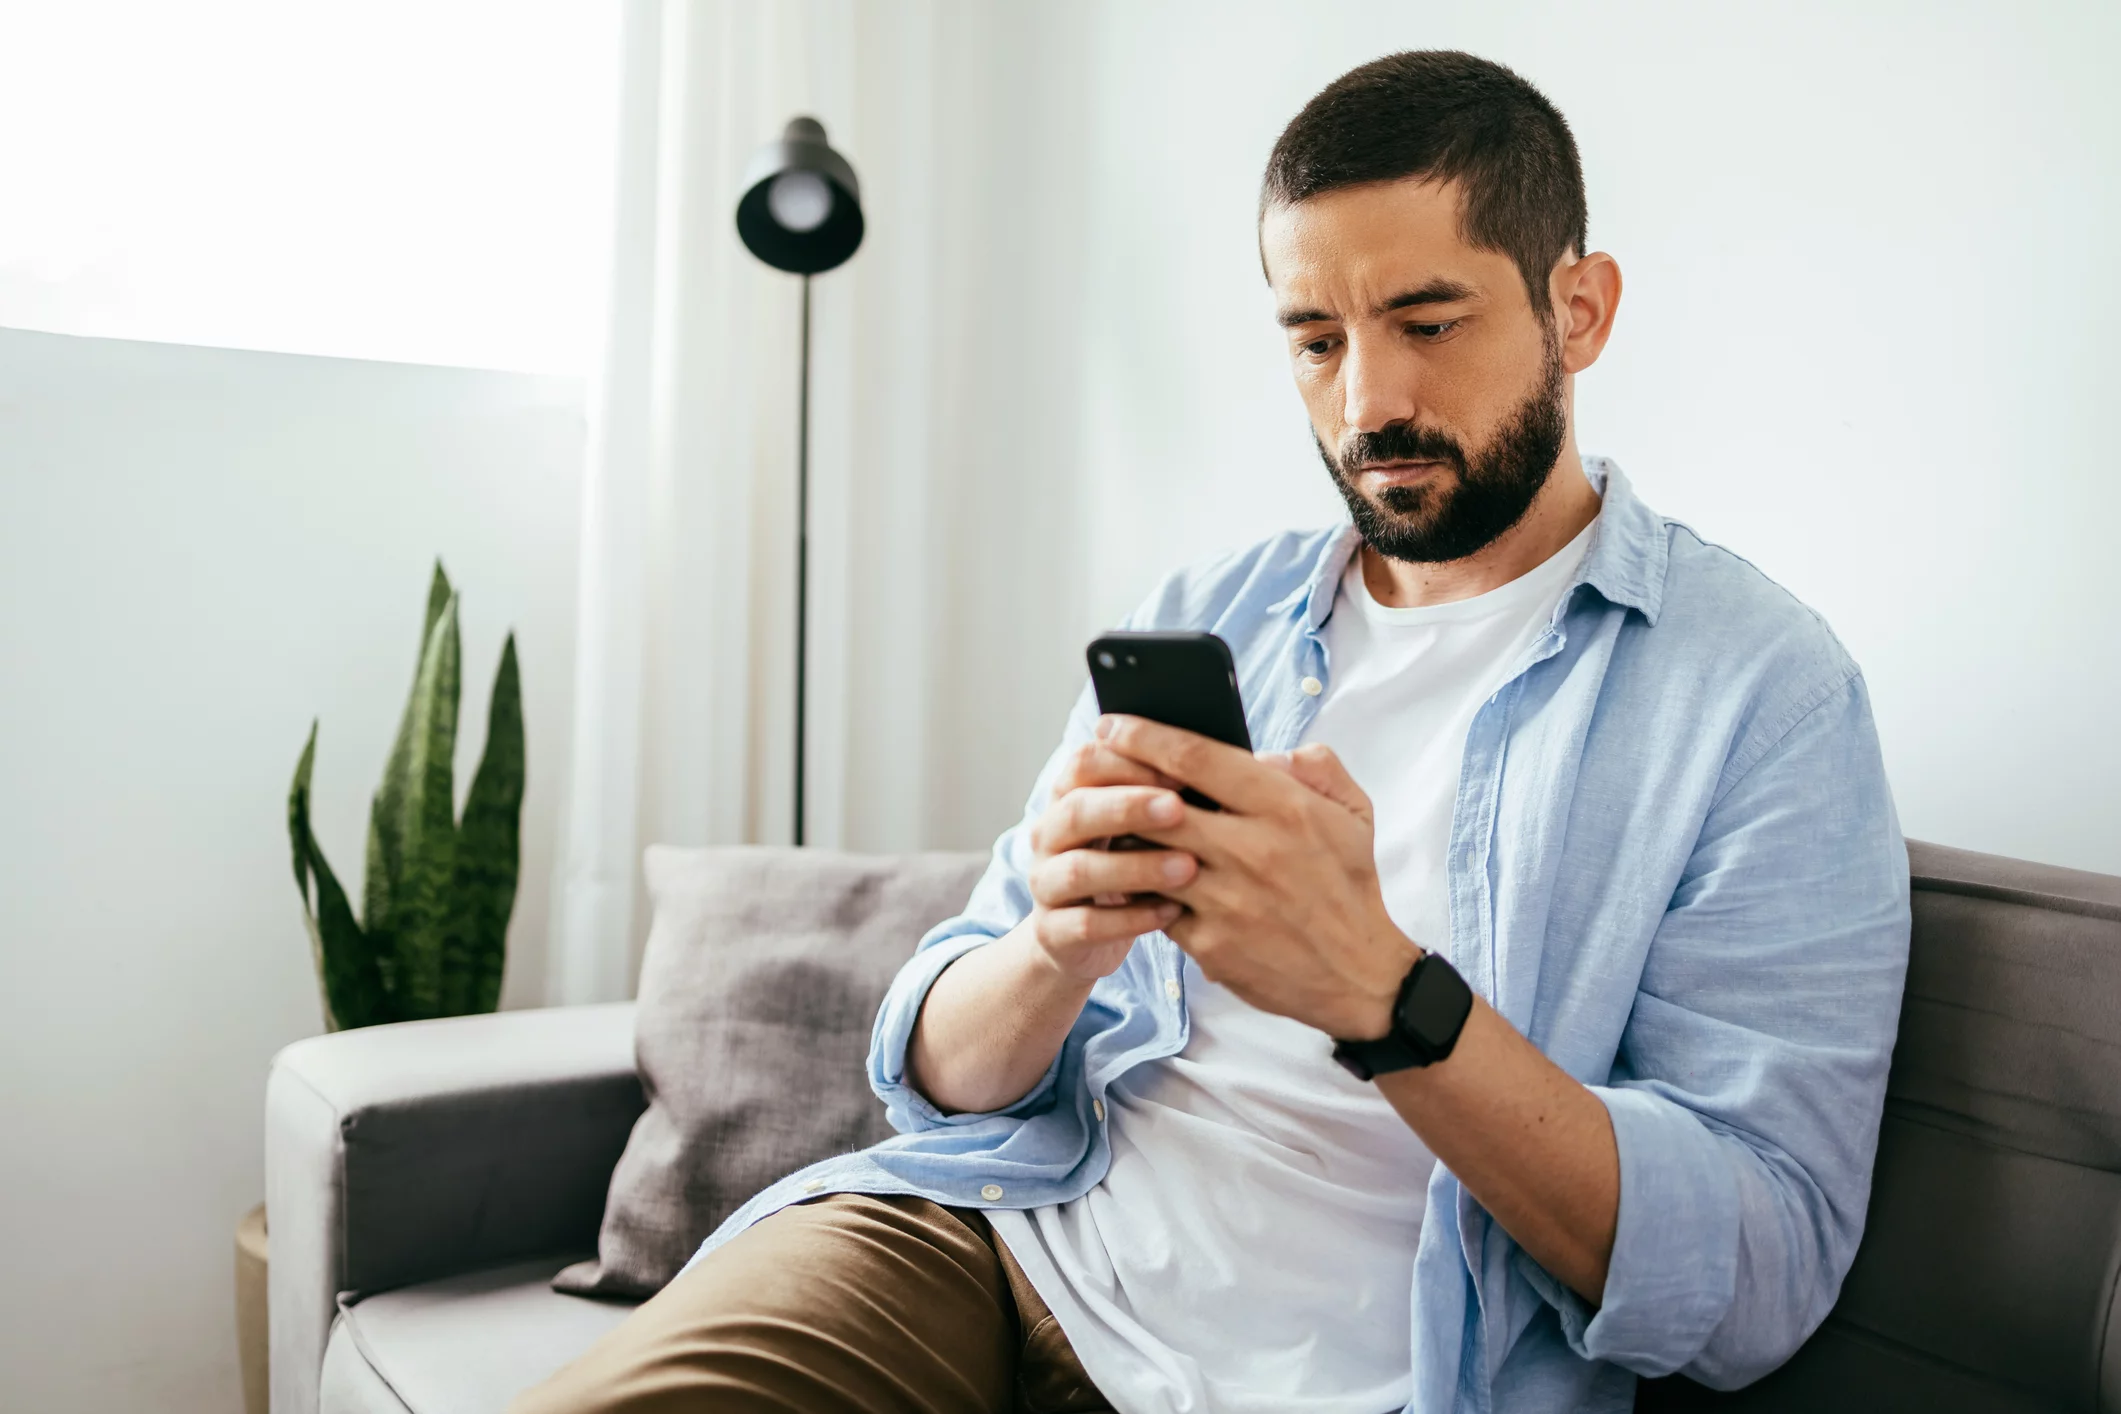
[801, 212]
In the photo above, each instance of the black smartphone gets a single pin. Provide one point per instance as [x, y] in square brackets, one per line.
[1180, 679]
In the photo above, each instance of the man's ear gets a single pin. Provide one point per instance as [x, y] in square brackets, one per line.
[1586, 297]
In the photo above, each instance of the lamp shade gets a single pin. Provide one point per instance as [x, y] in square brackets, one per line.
[802, 207]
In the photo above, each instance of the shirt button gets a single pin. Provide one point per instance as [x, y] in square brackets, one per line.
[812, 1185]
[1097, 1107]
[1171, 988]
[1312, 687]
[991, 1192]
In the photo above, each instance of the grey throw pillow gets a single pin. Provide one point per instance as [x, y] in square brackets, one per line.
[761, 980]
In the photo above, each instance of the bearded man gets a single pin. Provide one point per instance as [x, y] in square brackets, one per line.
[1520, 1025]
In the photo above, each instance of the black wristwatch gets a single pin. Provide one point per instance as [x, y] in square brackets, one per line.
[1432, 1008]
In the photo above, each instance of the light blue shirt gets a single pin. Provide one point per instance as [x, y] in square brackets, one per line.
[1674, 866]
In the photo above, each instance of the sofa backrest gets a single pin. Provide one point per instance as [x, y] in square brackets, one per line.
[1987, 1276]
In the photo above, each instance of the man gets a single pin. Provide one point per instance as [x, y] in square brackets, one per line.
[1515, 729]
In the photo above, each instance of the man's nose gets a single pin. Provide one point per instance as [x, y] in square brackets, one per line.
[1379, 385]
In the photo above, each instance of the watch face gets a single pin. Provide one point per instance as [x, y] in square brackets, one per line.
[1436, 1005]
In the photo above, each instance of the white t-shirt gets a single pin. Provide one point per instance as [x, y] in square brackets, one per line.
[1251, 1247]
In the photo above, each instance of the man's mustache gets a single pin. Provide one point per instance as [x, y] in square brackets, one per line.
[1400, 442]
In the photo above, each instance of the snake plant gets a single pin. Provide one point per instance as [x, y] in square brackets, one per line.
[432, 935]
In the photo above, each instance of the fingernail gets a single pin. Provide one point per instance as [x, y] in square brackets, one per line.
[1165, 810]
[1176, 868]
[1105, 727]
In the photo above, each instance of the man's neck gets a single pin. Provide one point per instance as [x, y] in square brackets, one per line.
[1557, 515]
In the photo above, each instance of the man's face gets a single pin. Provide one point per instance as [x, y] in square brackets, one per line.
[1435, 391]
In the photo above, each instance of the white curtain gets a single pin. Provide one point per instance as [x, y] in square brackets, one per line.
[943, 555]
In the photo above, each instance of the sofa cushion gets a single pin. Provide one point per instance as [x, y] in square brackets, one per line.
[1988, 1272]
[760, 984]
[463, 1345]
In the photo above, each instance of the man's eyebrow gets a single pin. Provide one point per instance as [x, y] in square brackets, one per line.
[1437, 291]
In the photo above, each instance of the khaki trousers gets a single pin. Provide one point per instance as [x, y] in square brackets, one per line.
[851, 1304]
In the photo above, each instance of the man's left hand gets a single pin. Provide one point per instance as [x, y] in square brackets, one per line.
[1286, 910]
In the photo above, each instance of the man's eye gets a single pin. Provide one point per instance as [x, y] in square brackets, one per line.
[1319, 348]
[1434, 331]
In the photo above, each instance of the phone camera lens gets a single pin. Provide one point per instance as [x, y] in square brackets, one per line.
[1106, 660]
[1130, 660]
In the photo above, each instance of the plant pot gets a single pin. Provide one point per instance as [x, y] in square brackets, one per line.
[251, 1349]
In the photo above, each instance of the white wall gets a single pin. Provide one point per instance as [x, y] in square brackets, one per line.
[199, 551]
[1866, 339]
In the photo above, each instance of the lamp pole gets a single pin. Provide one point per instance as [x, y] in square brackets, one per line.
[802, 561]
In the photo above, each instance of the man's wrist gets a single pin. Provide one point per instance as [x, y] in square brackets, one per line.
[1382, 998]
[1047, 974]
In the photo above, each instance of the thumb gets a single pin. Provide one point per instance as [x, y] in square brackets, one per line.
[1318, 768]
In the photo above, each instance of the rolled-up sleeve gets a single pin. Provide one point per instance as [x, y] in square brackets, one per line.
[1000, 901]
[1747, 1093]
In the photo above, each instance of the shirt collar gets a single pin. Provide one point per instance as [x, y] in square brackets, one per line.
[1626, 562]
[1630, 550]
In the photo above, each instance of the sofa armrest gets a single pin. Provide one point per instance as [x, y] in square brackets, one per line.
[398, 1154]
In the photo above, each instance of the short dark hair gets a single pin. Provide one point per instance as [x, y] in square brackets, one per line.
[1444, 116]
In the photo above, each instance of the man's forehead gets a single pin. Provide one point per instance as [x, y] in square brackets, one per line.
[1358, 250]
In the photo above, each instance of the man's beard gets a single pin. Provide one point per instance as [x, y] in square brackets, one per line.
[1430, 523]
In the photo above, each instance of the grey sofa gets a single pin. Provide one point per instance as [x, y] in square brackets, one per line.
[426, 1180]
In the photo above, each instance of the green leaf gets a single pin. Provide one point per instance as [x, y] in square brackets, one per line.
[418, 824]
[488, 853]
[386, 846]
[438, 593]
[298, 812]
[353, 983]
[346, 962]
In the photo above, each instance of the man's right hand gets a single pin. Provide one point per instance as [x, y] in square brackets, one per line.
[1091, 902]
[993, 1020]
